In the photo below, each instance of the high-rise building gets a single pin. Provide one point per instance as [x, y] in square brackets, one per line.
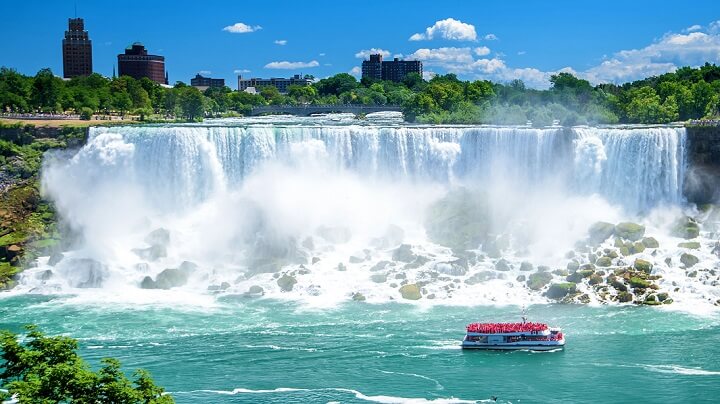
[394, 70]
[77, 50]
[203, 83]
[282, 84]
[136, 63]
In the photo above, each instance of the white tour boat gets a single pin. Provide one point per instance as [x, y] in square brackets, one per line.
[513, 336]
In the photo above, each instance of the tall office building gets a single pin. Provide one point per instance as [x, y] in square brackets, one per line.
[77, 50]
[136, 63]
[394, 70]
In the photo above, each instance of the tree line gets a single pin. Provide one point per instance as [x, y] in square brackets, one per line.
[688, 93]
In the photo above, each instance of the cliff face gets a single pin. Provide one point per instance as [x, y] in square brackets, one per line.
[702, 182]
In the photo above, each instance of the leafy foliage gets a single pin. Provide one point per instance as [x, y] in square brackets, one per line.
[49, 370]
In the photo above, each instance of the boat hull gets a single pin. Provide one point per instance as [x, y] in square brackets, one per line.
[513, 347]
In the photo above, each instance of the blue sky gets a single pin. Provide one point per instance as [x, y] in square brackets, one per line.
[497, 40]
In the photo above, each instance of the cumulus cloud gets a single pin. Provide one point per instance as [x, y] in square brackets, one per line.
[365, 53]
[449, 28]
[491, 37]
[356, 71]
[482, 51]
[693, 28]
[241, 71]
[281, 42]
[241, 28]
[292, 65]
[664, 55]
[204, 72]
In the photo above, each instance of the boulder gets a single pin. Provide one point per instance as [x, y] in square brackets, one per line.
[417, 263]
[560, 290]
[539, 280]
[45, 275]
[173, 277]
[286, 282]
[158, 237]
[637, 248]
[358, 297]
[625, 297]
[341, 267]
[526, 266]
[410, 292]
[521, 278]
[650, 242]
[692, 245]
[379, 266]
[85, 272]
[618, 285]
[404, 253]
[315, 260]
[254, 291]
[378, 278]
[450, 268]
[595, 279]
[686, 228]
[604, 262]
[689, 260]
[573, 266]
[55, 258]
[639, 283]
[480, 277]
[643, 266]
[152, 253]
[579, 275]
[355, 259]
[502, 265]
[630, 231]
[600, 231]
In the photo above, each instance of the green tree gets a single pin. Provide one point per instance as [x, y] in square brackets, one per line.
[49, 370]
[47, 90]
[192, 102]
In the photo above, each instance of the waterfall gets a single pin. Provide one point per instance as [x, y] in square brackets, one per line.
[637, 168]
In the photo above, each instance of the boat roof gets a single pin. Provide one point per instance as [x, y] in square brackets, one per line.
[503, 328]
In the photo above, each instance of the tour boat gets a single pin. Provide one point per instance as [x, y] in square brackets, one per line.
[513, 336]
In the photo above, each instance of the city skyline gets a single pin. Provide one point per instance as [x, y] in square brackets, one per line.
[604, 43]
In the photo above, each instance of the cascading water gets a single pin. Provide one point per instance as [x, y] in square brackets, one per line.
[319, 211]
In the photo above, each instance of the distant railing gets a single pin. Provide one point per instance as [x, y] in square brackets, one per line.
[704, 122]
[39, 116]
[309, 109]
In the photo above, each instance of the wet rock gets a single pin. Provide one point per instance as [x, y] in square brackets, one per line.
[55, 258]
[410, 292]
[85, 272]
[573, 266]
[595, 279]
[539, 280]
[379, 266]
[449, 268]
[639, 283]
[356, 260]
[625, 297]
[480, 277]
[689, 260]
[561, 272]
[579, 275]
[630, 231]
[643, 266]
[254, 291]
[45, 275]
[691, 245]
[637, 248]
[662, 296]
[401, 275]
[618, 285]
[286, 282]
[341, 267]
[315, 260]
[152, 253]
[170, 277]
[612, 254]
[604, 262]
[560, 290]
[157, 237]
[218, 288]
[686, 228]
[417, 263]
[358, 297]
[650, 242]
[600, 231]
[147, 283]
[543, 268]
[520, 278]
[651, 300]
[502, 265]
[404, 253]
[378, 278]
[526, 266]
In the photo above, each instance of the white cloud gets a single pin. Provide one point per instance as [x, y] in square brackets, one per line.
[365, 53]
[714, 27]
[482, 51]
[322, 54]
[693, 28]
[491, 37]
[241, 28]
[204, 72]
[356, 71]
[449, 28]
[443, 56]
[428, 75]
[241, 71]
[281, 42]
[521, 53]
[292, 65]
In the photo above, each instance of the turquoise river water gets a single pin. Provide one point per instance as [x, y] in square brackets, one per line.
[248, 351]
